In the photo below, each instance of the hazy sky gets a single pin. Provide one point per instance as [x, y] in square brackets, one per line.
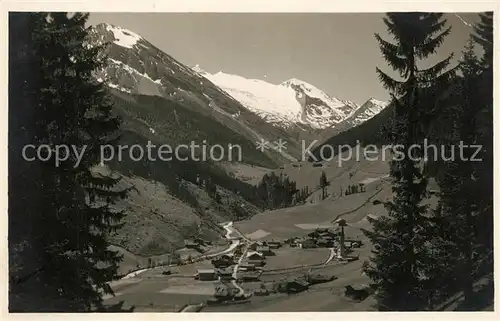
[336, 52]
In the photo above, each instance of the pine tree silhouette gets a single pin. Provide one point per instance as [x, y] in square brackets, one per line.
[400, 267]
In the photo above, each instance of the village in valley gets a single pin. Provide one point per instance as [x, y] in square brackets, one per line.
[247, 270]
[311, 254]
[250, 193]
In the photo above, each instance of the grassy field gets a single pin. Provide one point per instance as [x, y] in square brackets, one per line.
[300, 220]
[290, 257]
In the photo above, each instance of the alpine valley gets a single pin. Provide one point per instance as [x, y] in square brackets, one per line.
[163, 101]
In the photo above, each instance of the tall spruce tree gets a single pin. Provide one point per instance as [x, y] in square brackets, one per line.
[26, 180]
[323, 183]
[483, 35]
[74, 215]
[459, 193]
[401, 266]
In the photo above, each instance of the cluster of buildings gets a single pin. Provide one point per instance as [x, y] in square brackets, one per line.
[325, 238]
[317, 238]
[250, 267]
[196, 244]
[213, 274]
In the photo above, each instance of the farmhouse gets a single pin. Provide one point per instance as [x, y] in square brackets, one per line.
[296, 242]
[323, 242]
[206, 275]
[274, 244]
[225, 274]
[297, 285]
[352, 243]
[224, 292]
[247, 267]
[250, 277]
[223, 261]
[191, 245]
[307, 244]
[201, 241]
[312, 234]
[265, 250]
[255, 245]
[255, 259]
[252, 255]
[257, 263]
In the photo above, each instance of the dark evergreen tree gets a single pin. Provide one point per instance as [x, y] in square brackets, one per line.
[27, 180]
[277, 191]
[323, 183]
[483, 35]
[402, 263]
[74, 215]
[459, 193]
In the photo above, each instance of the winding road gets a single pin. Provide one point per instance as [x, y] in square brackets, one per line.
[236, 240]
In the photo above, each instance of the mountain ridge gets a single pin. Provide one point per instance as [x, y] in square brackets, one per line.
[291, 102]
[293, 110]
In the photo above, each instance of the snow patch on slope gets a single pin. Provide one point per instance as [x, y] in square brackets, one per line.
[123, 37]
[115, 86]
[133, 71]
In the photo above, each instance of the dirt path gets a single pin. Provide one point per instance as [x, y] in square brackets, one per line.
[236, 241]
[332, 255]
[357, 208]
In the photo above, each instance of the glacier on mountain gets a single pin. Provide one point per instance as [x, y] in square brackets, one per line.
[291, 102]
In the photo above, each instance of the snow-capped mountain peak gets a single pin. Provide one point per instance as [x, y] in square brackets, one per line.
[366, 111]
[310, 90]
[123, 37]
[291, 102]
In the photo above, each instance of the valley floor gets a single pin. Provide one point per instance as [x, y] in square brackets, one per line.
[152, 291]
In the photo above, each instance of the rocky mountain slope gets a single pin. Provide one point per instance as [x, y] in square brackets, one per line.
[137, 67]
[172, 198]
[371, 108]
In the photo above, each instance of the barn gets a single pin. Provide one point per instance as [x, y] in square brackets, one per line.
[206, 275]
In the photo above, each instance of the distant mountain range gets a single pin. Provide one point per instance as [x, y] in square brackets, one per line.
[137, 67]
[294, 102]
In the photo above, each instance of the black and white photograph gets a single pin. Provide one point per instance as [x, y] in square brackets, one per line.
[250, 161]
